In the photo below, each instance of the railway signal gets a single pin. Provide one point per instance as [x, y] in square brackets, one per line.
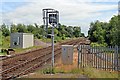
[51, 18]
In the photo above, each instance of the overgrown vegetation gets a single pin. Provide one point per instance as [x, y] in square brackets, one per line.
[98, 44]
[48, 70]
[105, 33]
[3, 53]
[61, 32]
[94, 73]
[87, 71]
[5, 42]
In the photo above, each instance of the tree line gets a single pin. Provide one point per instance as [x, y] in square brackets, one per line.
[106, 33]
[61, 32]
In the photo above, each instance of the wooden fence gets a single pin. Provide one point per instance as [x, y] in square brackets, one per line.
[105, 58]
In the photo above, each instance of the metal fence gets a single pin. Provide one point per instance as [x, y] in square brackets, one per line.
[105, 58]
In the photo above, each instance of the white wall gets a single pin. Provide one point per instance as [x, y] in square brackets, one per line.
[28, 40]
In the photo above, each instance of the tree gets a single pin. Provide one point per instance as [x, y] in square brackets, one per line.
[77, 31]
[30, 28]
[1, 38]
[13, 28]
[114, 30]
[102, 32]
[61, 32]
[5, 30]
[70, 31]
[55, 31]
[21, 28]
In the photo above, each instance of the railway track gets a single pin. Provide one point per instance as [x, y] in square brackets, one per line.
[17, 59]
[25, 63]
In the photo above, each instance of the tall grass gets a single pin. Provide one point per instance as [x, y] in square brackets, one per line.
[94, 73]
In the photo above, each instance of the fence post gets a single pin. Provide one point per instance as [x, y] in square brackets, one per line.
[81, 56]
[100, 58]
[116, 58]
[92, 56]
[113, 58]
[78, 48]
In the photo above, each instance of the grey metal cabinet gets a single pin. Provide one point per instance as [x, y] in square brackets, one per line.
[67, 54]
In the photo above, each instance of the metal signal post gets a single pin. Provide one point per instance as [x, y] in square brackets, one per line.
[51, 17]
[53, 46]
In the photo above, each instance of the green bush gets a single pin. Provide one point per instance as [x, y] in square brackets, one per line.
[76, 70]
[3, 52]
[48, 71]
[97, 44]
[57, 39]
[6, 42]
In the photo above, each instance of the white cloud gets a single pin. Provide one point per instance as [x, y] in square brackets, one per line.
[72, 12]
[71, 0]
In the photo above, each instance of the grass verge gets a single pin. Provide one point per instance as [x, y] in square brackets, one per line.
[18, 50]
[87, 71]
[94, 73]
[3, 54]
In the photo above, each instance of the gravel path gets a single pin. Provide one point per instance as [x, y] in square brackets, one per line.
[37, 42]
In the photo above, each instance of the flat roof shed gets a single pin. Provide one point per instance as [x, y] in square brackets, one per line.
[21, 40]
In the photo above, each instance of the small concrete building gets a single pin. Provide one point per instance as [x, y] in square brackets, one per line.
[21, 40]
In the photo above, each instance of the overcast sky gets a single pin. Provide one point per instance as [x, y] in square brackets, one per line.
[72, 12]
